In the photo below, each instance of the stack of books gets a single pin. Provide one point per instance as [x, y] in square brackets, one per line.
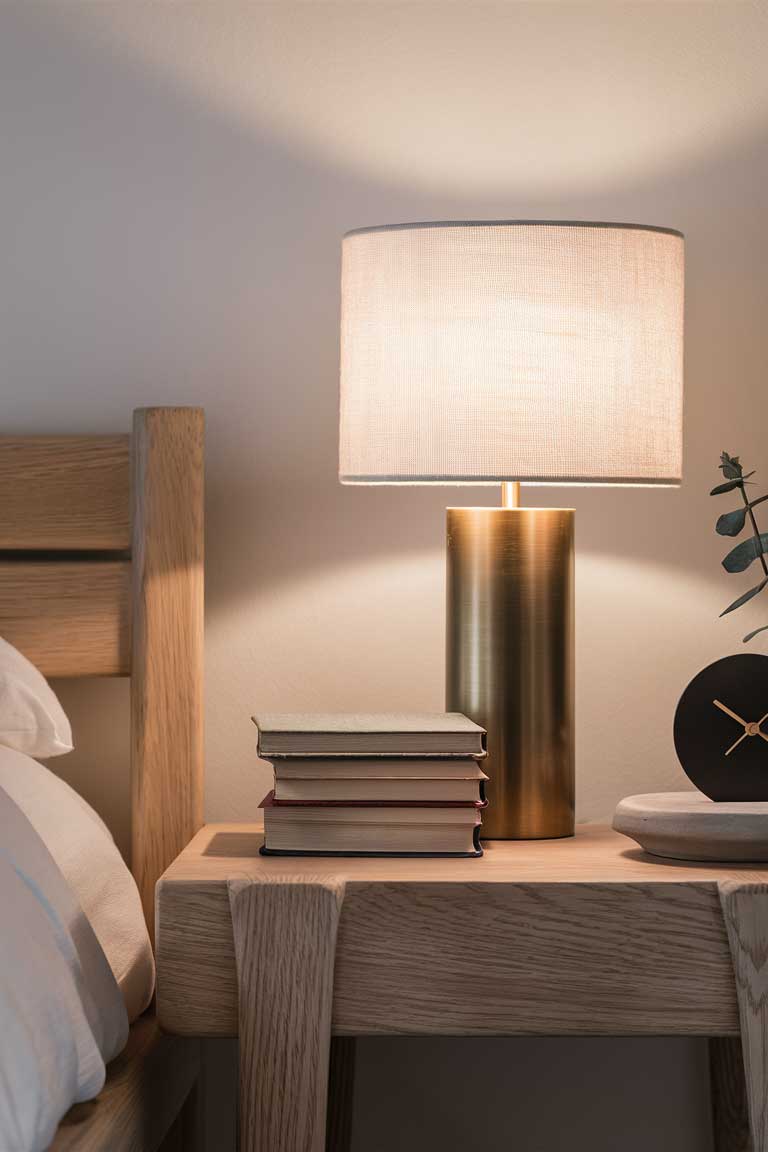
[374, 785]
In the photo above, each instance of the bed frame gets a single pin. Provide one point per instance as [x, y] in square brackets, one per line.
[101, 574]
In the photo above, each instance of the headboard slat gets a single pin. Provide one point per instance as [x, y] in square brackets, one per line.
[70, 618]
[64, 492]
[167, 635]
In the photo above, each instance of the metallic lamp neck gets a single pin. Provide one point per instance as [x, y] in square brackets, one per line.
[510, 494]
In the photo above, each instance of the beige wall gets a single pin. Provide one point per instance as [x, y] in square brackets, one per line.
[175, 180]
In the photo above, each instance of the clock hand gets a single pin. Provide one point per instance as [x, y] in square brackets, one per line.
[728, 712]
[759, 727]
[742, 737]
[749, 729]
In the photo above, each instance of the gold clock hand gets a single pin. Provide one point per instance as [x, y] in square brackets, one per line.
[760, 727]
[728, 712]
[742, 737]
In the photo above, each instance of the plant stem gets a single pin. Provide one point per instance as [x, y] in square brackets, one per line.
[755, 528]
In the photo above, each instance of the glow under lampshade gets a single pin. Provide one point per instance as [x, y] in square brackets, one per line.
[549, 353]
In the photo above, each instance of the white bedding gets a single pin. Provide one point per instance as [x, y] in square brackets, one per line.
[92, 866]
[62, 1015]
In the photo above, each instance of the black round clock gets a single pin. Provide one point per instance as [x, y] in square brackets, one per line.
[721, 729]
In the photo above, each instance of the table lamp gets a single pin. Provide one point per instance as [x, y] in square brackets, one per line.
[512, 353]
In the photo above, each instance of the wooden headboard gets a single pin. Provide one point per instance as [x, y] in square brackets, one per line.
[101, 574]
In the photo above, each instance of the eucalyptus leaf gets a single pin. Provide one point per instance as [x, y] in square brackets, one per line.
[731, 484]
[730, 464]
[740, 557]
[731, 523]
[745, 596]
[727, 487]
[751, 635]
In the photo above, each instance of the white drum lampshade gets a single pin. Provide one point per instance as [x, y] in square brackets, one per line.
[546, 353]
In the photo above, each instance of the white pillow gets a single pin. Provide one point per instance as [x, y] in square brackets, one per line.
[31, 718]
[83, 848]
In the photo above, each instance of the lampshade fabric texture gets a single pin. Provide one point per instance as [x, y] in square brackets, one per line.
[532, 351]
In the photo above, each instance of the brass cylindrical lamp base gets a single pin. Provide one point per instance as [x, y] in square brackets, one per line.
[510, 643]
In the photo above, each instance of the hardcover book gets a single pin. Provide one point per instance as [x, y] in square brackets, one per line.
[378, 778]
[371, 830]
[372, 790]
[377, 768]
[382, 734]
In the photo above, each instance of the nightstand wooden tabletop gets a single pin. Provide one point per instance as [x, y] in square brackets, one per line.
[581, 936]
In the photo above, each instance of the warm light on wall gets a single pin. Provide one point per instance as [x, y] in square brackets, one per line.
[472, 97]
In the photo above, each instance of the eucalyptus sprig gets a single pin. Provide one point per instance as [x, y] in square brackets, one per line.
[732, 523]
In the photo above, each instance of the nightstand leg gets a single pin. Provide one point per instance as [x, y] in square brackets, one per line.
[285, 947]
[730, 1114]
[341, 1082]
[745, 911]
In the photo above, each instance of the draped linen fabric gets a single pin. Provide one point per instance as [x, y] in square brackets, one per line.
[63, 1017]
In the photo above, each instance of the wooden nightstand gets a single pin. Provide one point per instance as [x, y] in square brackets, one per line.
[583, 936]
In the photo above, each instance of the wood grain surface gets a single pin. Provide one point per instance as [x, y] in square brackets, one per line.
[745, 911]
[146, 1087]
[62, 492]
[167, 635]
[576, 936]
[285, 941]
[69, 618]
